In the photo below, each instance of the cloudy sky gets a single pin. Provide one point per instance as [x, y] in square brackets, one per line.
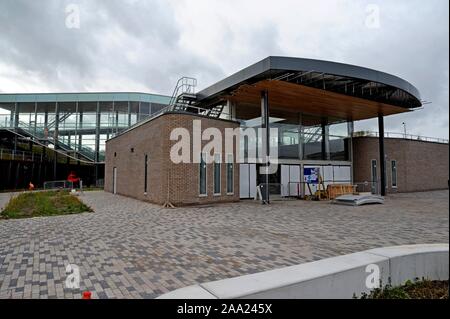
[133, 45]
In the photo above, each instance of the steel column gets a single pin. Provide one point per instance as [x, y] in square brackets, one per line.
[382, 155]
[16, 115]
[265, 116]
[325, 140]
[97, 132]
[129, 114]
[350, 132]
[35, 117]
[55, 141]
[300, 136]
[97, 141]
[80, 137]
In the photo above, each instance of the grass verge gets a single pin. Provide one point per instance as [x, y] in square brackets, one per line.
[42, 204]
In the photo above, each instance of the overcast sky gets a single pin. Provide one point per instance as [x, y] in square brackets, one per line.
[132, 45]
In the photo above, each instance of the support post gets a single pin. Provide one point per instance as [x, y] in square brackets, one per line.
[97, 140]
[16, 115]
[266, 142]
[55, 140]
[16, 123]
[80, 135]
[11, 118]
[56, 132]
[35, 117]
[382, 155]
[325, 140]
[350, 132]
[300, 136]
[129, 114]
[76, 126]
[138, 117]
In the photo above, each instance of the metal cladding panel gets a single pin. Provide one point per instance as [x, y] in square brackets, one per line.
[342, 69]
[276, 63]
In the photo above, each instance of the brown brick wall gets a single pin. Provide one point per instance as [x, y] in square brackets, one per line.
[421, 166]
[153, 138]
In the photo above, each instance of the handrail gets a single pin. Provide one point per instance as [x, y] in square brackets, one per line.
[55, 150]
[186, 85]
[402, 136]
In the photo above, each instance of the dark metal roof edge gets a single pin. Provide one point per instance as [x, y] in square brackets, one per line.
[302, 64]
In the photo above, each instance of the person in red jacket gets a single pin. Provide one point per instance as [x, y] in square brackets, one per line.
[73, 178]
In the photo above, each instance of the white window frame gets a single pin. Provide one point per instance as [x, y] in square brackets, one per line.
[377, 186]
[146, 179]
[232, 175]
[396, 174]
[204, 156]
[219, 157]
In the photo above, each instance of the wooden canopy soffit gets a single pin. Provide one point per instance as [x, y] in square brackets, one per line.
[299, 98]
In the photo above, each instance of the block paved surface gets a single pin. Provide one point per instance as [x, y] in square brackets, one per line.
[132, 249]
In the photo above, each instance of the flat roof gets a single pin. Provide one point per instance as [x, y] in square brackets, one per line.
[84, 97]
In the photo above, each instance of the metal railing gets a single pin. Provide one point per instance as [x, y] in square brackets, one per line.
[401, 136]
[58, 185]
[15, 155]
[185, 85]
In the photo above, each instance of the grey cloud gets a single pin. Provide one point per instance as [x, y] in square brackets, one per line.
[137, 43]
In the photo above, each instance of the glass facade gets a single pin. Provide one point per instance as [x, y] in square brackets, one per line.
[300, 137]
[79, 123]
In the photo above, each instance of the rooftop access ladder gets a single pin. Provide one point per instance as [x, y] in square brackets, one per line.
[184, 99]
[183, 96]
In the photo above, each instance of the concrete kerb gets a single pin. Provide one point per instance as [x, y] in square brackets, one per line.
[339, 277]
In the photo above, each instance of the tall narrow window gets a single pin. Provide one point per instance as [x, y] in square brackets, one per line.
[374, 177]
[217, 174]
[202, 175]
[394, 174]
[145, 174]
[230, 174]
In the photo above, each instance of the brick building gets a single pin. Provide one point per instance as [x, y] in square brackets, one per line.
[312, 106]
[411, 165]
[139, 165]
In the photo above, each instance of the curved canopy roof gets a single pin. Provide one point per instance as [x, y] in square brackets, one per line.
[295, 80]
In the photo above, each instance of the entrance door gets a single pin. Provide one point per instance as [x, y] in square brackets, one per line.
[290, 181]
[247, 180]
[115, 180]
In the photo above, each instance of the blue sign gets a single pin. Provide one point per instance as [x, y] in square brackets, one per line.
[311, 175]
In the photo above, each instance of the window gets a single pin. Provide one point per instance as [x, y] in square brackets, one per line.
[217, 174]
[394, 174]
[230, 174]
[202, 175]
[145, 174]
[374, 176]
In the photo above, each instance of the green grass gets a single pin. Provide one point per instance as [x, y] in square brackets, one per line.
[425, 289]
[42, 204]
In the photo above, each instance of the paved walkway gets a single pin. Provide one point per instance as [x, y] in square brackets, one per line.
[131, 249]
